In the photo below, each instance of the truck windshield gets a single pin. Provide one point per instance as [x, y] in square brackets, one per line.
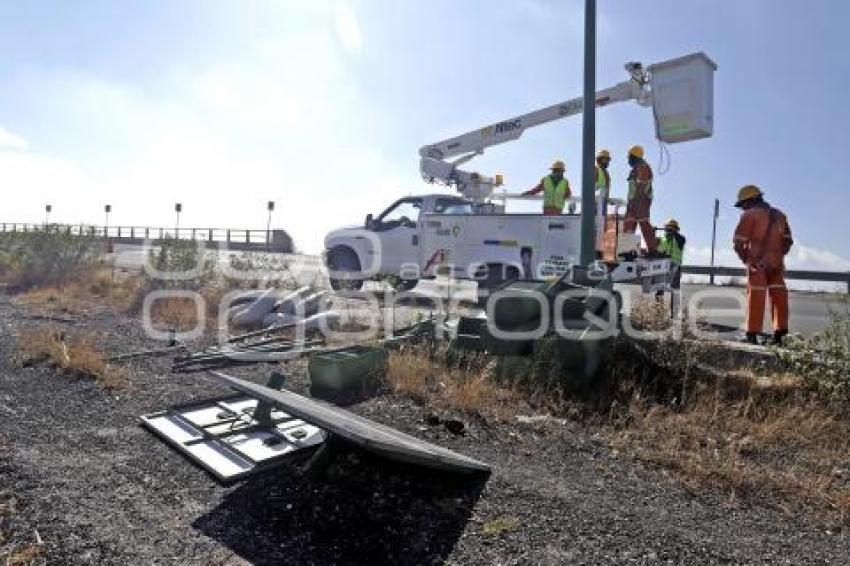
[452, 206]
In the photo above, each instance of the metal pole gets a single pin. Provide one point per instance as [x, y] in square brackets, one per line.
[713, 238]
[588, 240]
[269, 230]
[270, 208]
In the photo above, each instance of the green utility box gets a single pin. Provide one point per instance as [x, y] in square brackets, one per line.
[578, 354]
[347, 370]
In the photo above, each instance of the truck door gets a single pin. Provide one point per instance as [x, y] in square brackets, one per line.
[397, 229]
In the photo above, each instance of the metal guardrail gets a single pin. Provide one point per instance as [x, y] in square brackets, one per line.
[793, 274]
[276, 240]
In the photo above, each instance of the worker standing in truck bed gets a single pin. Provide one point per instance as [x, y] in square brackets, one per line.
[639, 198]
[762, 239]
[603, 190]
[556, 190]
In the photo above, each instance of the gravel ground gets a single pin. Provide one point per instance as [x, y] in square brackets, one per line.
[98, 489]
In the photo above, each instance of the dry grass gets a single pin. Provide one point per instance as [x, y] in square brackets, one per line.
[177, 313]
[181, 313]
[755, 435]
[25, 555]
[500, 526]
[72, 355]
[97, 286]
[469, 388]
[772, 438]
[649, 314]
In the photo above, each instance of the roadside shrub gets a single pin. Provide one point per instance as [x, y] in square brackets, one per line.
[49, 257]
[173, 256]
[271, 271]
[823, 359]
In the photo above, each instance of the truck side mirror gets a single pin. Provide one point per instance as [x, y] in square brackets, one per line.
[369, 222]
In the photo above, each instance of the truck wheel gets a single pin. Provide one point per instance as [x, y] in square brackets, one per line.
[345, 265]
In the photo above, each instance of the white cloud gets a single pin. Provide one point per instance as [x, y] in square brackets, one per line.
[11, 141]
[805, 257]
[801, 257]
[282, 121]
[348, 28]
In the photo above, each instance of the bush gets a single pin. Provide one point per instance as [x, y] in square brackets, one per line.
[274, 271]
[823, 359]
[173, 256]
[49, 257]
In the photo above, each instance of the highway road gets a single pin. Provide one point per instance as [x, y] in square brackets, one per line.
[718, 305]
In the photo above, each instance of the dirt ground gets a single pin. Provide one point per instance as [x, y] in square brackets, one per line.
[78, 474]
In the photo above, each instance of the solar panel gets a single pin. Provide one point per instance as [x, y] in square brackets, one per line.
[358, 430]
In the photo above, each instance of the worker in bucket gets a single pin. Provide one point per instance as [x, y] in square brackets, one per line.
[672, 244]
[762, 240]
[556, 190]
[603, 189]
[639, 199]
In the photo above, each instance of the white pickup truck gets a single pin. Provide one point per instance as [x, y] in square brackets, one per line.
[419, 237]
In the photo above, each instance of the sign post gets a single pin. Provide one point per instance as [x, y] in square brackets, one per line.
[713, 238]
[178, 208]
[270, 208]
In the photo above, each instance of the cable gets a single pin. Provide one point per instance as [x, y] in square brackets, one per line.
[663, 150]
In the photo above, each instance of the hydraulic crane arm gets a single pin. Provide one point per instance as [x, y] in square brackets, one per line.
[433, 158]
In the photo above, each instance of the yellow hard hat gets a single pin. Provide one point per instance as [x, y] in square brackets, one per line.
[672, 224]
[748, 192]
[558, 165]
[603, 154]
[637, 151]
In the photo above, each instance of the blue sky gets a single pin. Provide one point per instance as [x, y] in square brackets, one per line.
[322, 106]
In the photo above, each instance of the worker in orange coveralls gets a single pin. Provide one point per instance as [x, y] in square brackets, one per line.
[640, 199]
[762, 239]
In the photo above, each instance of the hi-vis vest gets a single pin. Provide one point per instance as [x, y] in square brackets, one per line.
[633, 185]
[670, 246]
[554, 196]
[603, 181]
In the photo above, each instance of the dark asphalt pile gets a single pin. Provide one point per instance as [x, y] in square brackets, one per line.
[101, 490]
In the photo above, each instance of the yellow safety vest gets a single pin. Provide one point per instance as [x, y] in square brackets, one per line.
[602, 181]
[670, 246]
[554, 196]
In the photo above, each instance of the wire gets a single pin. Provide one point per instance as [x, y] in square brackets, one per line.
[663, 150]
[664, 159]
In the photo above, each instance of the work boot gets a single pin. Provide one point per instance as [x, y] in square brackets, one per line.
[751, 338]
[778, 335]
